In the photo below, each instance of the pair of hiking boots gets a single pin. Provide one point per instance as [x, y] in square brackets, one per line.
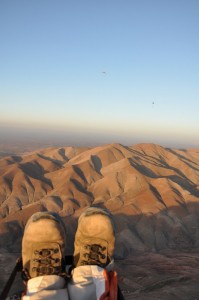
[44, 242]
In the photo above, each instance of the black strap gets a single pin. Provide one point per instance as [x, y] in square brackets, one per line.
[17, 268]
[119, 294]
[69, 259]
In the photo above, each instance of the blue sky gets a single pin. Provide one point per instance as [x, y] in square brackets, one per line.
[94, 72]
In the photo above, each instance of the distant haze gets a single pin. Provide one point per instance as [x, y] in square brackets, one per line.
[31, 137]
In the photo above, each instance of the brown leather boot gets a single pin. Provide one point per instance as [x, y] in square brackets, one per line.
[43, 245]
[95, 238]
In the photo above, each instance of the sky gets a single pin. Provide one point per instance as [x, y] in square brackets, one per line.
[90, 72]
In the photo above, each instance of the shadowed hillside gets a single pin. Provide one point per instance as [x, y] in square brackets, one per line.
[153, 193]
[155, 190]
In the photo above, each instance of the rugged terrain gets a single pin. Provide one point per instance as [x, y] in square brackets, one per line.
[153, 193]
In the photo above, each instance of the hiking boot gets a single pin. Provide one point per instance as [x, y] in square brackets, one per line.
[94, 239]
[43, 245]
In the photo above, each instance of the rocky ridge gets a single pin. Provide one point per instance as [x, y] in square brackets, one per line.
[152, 191]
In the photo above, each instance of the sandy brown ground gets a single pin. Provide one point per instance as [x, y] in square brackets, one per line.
[166, 276]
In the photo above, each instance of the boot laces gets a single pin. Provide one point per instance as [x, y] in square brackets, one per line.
[44, 263]
[94, 255]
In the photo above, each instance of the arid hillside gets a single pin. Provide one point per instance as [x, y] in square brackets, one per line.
[153, 193]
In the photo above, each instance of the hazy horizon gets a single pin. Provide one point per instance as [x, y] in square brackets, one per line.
[89, 73]
[44, 137]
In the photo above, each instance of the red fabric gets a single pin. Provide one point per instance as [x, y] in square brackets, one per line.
[110, 286]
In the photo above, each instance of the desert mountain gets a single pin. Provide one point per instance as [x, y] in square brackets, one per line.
[152, 191]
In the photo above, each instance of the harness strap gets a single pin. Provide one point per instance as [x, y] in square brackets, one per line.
[17, 268]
